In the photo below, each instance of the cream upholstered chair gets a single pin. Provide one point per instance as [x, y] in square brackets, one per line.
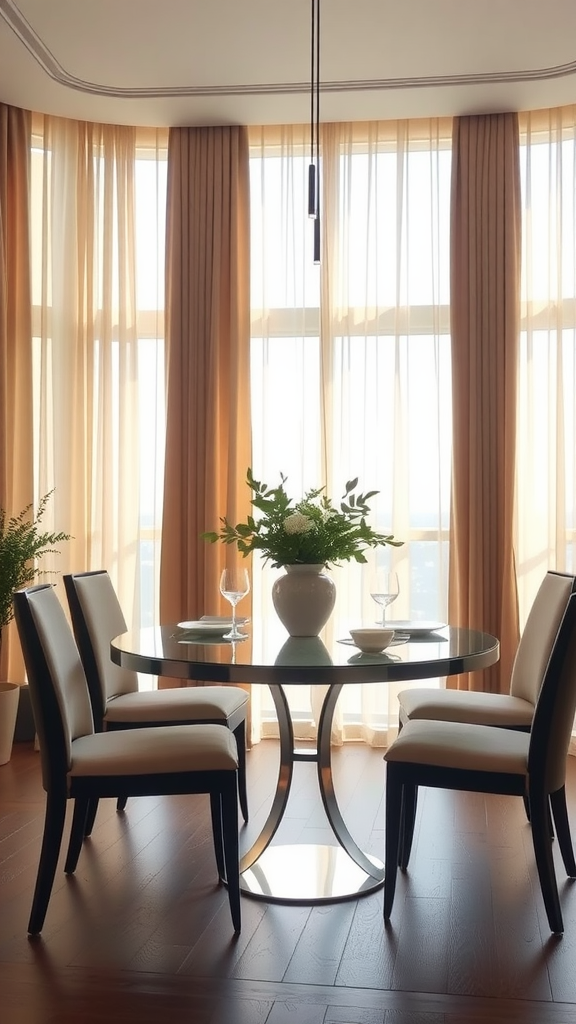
[513, 710]
[117, 703]
[489, 759]
[82, 765]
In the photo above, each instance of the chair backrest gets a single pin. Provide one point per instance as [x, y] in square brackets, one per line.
[58, 688]
[554, 715]
[539, 634]
[97, 618]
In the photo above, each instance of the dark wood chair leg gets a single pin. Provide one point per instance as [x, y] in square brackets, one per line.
[51, 840]
[121, 803]
[526, 800]
[407, 823]
[91, 816]
[540, 819]
[216, 815]
[240, 734]
[393, 820]
[229, 806]
[77, 833]
[560, 815]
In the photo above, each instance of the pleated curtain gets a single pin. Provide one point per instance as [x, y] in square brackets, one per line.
[16, 424]
[485, 307]
[208, 432]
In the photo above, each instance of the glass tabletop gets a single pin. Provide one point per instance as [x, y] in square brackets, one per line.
[169, 651]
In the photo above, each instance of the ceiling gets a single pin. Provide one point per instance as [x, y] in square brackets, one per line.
[185, 62]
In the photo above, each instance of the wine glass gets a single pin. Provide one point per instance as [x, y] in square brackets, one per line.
[384, 589]
[234, 585]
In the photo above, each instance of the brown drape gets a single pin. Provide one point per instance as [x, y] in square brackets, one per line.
[485, 302]
[208, 440]
[16, 447]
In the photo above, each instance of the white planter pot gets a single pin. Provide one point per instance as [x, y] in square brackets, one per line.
[9, 696]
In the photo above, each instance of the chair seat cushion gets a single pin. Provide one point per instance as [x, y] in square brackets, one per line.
[480, 708]
[171, 748]
[177, 704]
[463, 746]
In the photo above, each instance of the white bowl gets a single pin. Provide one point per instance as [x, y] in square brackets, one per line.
[372, 640]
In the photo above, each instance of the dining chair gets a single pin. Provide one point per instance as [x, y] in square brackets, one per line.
[83, 765]
[515, 709]
[489, 759]
[117, 702]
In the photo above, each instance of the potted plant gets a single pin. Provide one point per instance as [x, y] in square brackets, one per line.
[304, 537]
[22, 544]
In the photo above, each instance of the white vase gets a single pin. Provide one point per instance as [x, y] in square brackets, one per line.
[304, 599]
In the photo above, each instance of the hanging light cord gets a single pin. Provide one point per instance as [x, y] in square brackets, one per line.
[314, 167]
[317, 81]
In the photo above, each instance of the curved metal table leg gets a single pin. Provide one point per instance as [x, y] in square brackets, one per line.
[306, 873]
[373, 868]
[285, 773]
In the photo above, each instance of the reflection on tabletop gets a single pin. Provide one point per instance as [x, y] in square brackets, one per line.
[428, 638]
[303, 650]
[383, 658]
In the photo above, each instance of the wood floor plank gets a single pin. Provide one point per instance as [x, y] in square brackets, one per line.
[423, 942]
[369, 955]
[216, 952]
[268, 954]
[297, 1011]
[320, 949]
[472, 960]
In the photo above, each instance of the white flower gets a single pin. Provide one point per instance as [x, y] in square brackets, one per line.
[296, 522]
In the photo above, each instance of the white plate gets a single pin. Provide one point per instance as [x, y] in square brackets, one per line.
[414, 628]
[220, 620]
[213, 625]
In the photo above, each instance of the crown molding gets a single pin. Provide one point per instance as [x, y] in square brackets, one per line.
[46, 60]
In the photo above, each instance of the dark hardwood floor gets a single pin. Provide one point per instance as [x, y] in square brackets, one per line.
[142, 932]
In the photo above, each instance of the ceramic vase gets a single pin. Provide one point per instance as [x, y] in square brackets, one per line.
[304, 599]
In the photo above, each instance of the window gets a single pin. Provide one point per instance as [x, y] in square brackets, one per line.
[351, 360]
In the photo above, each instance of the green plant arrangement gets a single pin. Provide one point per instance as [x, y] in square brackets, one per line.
[307, 532]
[22, 544]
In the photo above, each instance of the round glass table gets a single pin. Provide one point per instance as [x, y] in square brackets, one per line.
[304, 873]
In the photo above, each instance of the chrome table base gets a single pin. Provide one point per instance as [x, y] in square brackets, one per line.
[307, 873]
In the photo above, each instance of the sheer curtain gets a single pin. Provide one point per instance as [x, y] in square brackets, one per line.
[546, 506]
[546, 469]
[97, 214]
[351, 360]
